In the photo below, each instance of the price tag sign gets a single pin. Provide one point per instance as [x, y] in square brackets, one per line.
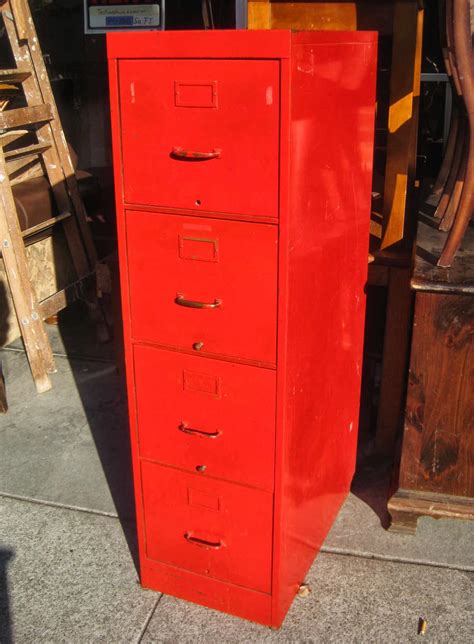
[101, 16]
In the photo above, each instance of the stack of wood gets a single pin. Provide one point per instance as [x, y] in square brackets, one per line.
[453, 191]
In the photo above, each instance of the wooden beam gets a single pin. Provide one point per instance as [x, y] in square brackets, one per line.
[395, 360]
[33, 333]
[402, 120]
[302, 15]
[25, 116]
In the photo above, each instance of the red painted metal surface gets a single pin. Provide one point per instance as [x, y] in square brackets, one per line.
[208, 526]
[195, 132]
[226, 269]
[191, 413]
[324, 247]
[287, 295]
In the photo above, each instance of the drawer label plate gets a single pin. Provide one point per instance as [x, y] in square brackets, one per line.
[197, 248]
[201, 383]
[194, 94]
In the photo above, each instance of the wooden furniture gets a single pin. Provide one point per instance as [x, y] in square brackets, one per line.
[400, 22]
[33, 149]
[400, 27]
[453, 192]
[436, 477]
[243, 165]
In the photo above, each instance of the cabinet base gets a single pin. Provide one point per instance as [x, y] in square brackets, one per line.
[406, 506]
[235, 600]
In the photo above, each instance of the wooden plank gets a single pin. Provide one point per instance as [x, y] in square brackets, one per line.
[302, 15]
[259, 15]
[378, 275]
[27, 151]
[363, 14]
[57, 161]
[406, 507]
[13, 75]
[465, 66]
[44, 86]
[395, 360]
[16, 168]
[427, 276]
[453, 171]
[9, 137]
[44, 225]
[21, 161]
[449, 50]
[59, 300]
[52, 161]
[451, 210]
[20, 17]
[436, 475]
[25, 116]
[30, 171]
[443, 174]
[36, 342]
[438, 447]
[50, 269]
[402, 120]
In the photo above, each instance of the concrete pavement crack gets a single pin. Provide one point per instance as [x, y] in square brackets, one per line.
[148, 619]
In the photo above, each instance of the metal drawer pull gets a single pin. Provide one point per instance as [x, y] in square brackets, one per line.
[192, 304]
[202, 543]
[181, 153]
[197, 432]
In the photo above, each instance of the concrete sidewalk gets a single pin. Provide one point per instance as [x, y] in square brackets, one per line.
[67, 538]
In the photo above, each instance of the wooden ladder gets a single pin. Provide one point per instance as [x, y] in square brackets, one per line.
[32, 143]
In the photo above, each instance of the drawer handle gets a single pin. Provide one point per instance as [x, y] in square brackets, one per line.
[197, 432]
[192, 304]
[181, 153]
[202, 543]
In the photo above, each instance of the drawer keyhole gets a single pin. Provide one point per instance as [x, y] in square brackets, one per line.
[198, 202]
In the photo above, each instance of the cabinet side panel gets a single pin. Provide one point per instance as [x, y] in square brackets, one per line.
[324, 250]
[114, 81]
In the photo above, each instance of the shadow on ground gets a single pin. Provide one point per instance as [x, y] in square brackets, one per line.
[102, 392]
[6, 636]
[372, 484]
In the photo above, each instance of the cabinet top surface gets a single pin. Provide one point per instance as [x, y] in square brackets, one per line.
[241, 43]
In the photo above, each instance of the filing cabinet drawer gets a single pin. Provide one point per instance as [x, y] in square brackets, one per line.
[195, 412]
[210, 527]
[207, 284]
[201, 134]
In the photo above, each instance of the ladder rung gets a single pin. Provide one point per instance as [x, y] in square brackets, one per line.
[13, 75]
[29, 151]
[25, 116]
[22, 167]
[44, 225]
[31, 171]
[8, 137]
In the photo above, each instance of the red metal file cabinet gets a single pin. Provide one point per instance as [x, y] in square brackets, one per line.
[243, 167]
